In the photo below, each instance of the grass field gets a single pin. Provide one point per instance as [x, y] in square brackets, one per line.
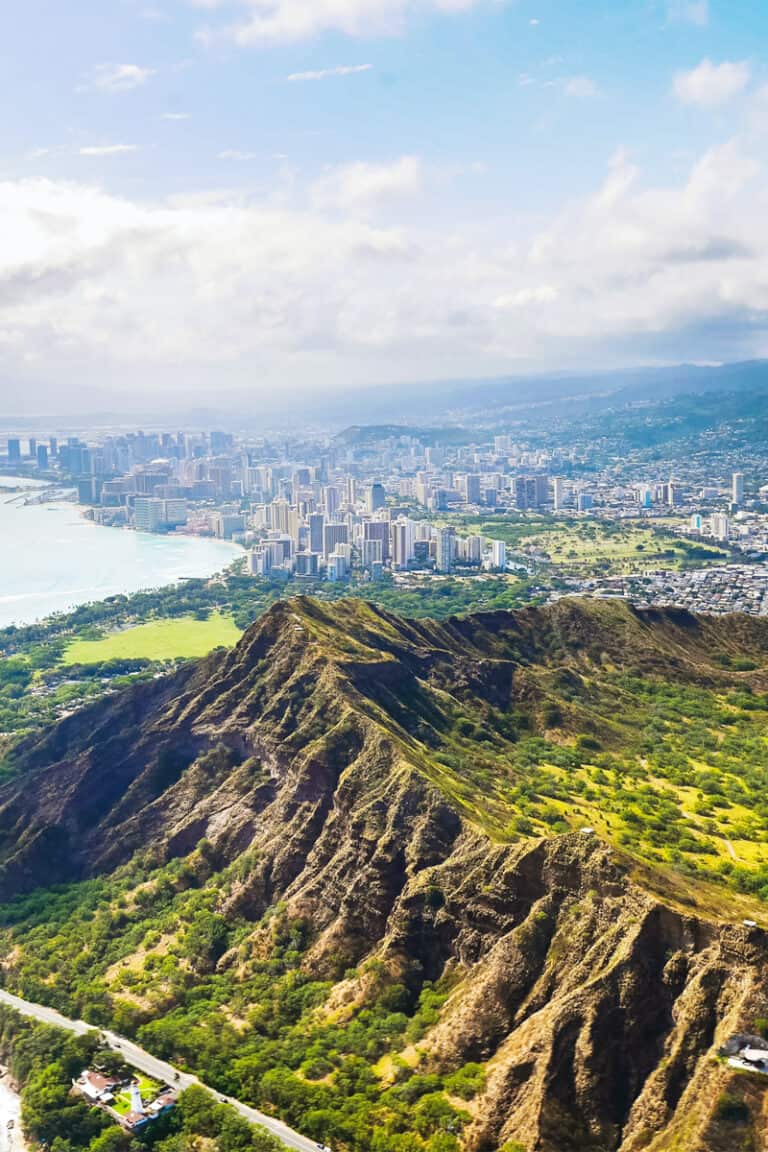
[591, 546]
[584, 546]
[158, 640]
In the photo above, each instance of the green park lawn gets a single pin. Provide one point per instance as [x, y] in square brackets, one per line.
[158, 640]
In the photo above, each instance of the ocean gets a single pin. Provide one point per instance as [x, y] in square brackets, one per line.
[52, 559]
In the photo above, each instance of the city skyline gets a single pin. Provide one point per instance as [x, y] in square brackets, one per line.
[230, 198]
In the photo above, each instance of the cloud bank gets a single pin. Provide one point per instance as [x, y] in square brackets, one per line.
[338, 289]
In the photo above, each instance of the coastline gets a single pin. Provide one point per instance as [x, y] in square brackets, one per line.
[11, 1135]
[85, 514]
[56, 566]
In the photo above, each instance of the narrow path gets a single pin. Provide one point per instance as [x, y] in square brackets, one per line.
[157, 1069]
[731, 850]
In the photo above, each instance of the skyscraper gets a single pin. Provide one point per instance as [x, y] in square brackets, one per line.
[14, 451]
[445, 549]
[378, 530]
[737, 488]
[472, 492]
[498, 554]
[403, 537]
[531, 491]
[376, 497]
[316, 525]
[333, 535]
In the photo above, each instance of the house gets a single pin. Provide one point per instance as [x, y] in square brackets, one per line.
[97, 1088]
[133, 1103]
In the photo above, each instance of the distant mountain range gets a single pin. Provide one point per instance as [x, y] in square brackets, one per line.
[434, 401]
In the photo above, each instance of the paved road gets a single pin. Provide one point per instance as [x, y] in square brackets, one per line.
[157, 1069]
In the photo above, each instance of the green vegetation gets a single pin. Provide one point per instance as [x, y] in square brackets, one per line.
[649, 729]
[158, 641]
[592, 546]
[49, 669]
[262, 1031]
[44, 1061]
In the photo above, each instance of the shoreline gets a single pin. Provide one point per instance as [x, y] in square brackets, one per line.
[175, 535]
[11, 1135]
[53, 569]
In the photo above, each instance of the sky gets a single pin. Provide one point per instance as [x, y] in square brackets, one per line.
[218, 198]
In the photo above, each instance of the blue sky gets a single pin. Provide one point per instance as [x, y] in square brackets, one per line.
[346, 192]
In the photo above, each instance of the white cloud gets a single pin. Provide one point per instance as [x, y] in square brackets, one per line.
[582, 87]
[534, 23]
[694, 12]
[711, 85]
[108, 149]
[361, 187]
[118, 78]
[269, 21]
[236, 154]
[327, 73]
[175, 116]
[223, 289]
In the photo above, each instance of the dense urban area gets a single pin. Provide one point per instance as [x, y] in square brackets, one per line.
[406, 505]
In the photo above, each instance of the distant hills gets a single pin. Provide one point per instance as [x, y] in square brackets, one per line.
[439, 401]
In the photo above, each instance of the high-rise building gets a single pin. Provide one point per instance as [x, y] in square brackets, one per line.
[378, 530]
[371, 553]
[473, 549]
[316, 522]
[337, 567]
[720, 526]
[558, 492]
[32, 448]
[53, 447]
[89, 489]
[584, 502]
[333, 535]
[224, 524]
[737, 488]
[498, 555]
[403, 537]
[259, 561]
[14, 451]
[281, 510]
[376, 497]
[148, 513]
[42, 456]
[444, 552]
[531, 491]
[307, 563]
[221, 443]
[331, 500]
[174, 512]
[472, 489]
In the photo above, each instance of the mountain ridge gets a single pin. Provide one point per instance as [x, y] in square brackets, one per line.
[359, 772]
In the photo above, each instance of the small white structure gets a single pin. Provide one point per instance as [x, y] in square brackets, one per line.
[137, 1104]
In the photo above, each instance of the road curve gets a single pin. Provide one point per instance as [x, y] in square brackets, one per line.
[155, 1068]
